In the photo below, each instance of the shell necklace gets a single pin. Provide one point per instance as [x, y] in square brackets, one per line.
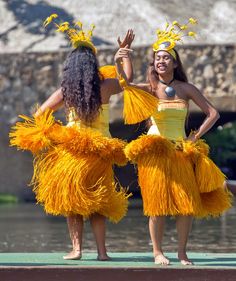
[170, 91]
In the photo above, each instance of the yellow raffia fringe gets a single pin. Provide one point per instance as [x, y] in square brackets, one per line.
[116, 208]
[165, 186]
[73, 173]
[145, 143]
[138, 104]
[169, 178]
[216, 201]
[88, 141]
[33, 133]
[208, 176]
[107, 71]
[68, 184]
[36, 134]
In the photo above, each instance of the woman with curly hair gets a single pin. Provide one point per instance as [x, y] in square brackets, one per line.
[73, 173]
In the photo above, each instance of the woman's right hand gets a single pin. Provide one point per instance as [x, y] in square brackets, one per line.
[122, 53]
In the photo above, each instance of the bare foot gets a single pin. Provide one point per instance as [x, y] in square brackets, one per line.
[73, 255]
[161, 259]
[103, 257]
[184, 259]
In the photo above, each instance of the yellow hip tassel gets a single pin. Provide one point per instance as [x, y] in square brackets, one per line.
[173, 180]
[138, 104]
[216, 201]
[208, 176]
[32, 134]
[107, 71]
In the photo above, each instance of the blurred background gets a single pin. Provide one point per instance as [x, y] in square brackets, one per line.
[31, 59]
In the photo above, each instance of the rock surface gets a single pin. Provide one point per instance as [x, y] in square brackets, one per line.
[21, 21]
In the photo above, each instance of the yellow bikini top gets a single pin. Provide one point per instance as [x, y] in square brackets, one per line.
[169, 119]
[101, 124]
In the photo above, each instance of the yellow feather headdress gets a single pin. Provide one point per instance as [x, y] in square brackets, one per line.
[77, 36]
[167, 38]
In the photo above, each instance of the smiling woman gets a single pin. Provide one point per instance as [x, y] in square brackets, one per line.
[164, 62]
[176, 176]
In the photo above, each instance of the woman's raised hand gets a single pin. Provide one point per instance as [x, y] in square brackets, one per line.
[127, 41]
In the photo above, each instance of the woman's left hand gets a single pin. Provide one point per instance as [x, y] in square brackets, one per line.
[127, 41]
[192, 137]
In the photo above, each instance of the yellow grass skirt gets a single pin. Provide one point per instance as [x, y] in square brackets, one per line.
[178, 178]
[72, 168]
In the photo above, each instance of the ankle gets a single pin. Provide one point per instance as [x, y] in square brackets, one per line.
[103, 256]
[102, 250]
[102, 253]
[182, 251]
[73, 255]
[77, 249]
[157, 252]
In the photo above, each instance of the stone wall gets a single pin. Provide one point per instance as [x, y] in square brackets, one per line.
[29, 78]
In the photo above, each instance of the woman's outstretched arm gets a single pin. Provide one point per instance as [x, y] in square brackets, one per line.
[54, 102]
[124, 54]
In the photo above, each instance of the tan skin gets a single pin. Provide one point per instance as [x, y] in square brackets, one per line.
[164, 65]
[108, 87]
[75, 223]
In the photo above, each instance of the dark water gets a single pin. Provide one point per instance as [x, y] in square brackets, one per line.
[25, 228]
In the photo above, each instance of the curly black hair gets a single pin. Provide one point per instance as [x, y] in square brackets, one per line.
[81, 84]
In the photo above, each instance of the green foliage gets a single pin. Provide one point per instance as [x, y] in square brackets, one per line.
[7, 198]
[223, 144]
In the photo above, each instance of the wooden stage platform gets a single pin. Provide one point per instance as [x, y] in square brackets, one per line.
[123, 267]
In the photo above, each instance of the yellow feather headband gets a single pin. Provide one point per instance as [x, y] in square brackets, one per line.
[167, 39]
[76, 35]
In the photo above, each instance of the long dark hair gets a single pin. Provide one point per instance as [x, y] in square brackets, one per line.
[81, 84]
[179, 73]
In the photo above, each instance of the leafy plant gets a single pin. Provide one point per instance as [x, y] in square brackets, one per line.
[223, 144]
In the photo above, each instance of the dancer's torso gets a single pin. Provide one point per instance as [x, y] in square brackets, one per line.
[101, 124]
[170, 119]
